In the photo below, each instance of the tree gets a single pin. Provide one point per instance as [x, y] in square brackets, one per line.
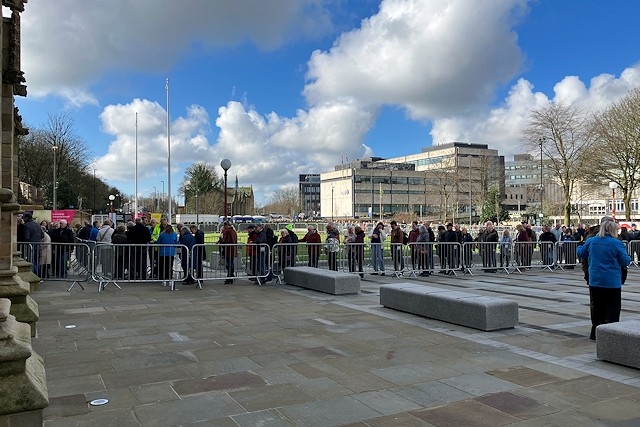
[616, 138]
[285, 200]
[560, 131]
[493, 208]
[202, 182]
[75, 180]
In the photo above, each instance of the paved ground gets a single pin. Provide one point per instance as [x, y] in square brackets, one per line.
[244, 355]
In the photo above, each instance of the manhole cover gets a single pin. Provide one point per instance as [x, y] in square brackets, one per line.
[99, 402]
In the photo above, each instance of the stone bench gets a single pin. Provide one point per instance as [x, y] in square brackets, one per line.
[328, 281]
[619, 343]
[460, 308]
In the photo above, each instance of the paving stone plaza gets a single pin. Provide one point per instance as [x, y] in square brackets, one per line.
[278, 355]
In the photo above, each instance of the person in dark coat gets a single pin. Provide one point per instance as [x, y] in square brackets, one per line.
[199, 252]
[119, 239]
[187, 241]
[138, 235]
[229, 249]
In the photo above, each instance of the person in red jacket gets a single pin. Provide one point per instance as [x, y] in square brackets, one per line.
[313, 240]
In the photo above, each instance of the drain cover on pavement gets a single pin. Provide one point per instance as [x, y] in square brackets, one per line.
[99, 402]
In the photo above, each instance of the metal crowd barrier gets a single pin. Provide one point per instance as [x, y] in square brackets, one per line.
[116, 263]
[231, 261]
[59, 261]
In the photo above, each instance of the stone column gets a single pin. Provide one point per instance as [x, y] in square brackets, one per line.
[23, 388]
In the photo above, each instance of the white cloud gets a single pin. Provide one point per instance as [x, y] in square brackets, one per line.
[502, 127]
[430, 57]
[69, 45]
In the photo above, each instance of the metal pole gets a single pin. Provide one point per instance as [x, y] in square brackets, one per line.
[541, 140]
[168, 153]
[161, 205]
[470, 199]
[55, 179]
[332, 203]
[94, 190]
[197, 211]
[135, 200]
[225, 195]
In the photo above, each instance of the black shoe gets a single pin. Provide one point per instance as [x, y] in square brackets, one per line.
[361, 276]
[424, 274]
[228, 282]
[382, 274]
[375, 273]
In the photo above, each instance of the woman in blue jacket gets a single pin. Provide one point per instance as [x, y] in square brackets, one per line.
[607, 256]
[166, 253]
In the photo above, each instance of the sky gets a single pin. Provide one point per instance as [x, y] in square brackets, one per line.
[288, 87]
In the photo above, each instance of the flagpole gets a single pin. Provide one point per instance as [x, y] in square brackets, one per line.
[135, 200]
[168, 154]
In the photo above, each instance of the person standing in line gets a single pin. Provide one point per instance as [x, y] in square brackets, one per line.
[284, 250]
[358, 250]
[62, 238]
[332, 246]
[547, 246]
[489, 241]
[397, 239]
[168, 240]
[313, 241]
[505, 248]
[32, 234]
[199, 253]
[377, 237]
[187, 241]
[413, 237]
[607, 258]
[229, 243]
[423, 249]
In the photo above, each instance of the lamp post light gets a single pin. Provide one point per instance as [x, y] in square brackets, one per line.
[541, 141]
[613, 186]
[111, 199]
[332, 203]
[55, 178]
[225, 164]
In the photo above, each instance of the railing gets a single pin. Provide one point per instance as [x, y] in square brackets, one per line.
[106, 264]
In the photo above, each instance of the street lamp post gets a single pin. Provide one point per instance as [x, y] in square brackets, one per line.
[332, 203]
[613, 186]
[197, 210]
[541, 141]
[55, 178]
[225, 164]
[111, 199]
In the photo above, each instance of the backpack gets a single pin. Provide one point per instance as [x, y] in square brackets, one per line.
[405, 238]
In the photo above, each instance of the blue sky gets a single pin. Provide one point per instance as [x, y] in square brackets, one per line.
[283, 87]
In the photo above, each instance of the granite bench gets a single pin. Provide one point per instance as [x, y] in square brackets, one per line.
[460, 308]
[619, 343]
[328, 281]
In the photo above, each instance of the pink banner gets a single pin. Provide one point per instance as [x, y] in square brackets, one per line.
[66, 214]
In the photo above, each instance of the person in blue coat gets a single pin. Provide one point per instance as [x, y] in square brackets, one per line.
[607, 257]
[187, 241]
[169, 239]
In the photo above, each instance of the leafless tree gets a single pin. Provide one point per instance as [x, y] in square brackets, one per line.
[616, 136]
[560, 132]
[285, 200]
